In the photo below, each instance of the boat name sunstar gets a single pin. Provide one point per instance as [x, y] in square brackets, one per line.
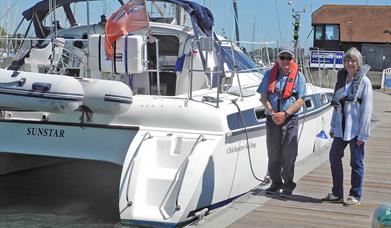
[46, 132]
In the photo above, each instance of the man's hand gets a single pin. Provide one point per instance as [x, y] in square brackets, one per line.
[278, 117]
[359, 142]
[266, 103]
[331, 134]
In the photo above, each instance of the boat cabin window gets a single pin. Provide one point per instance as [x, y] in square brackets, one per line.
[169, 13]
[243, 61]
[168, 54]
[308, 103]
[97, 10]
[324, 99]
[260, 114]
[60, 23]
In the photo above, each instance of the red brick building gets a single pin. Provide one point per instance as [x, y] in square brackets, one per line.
[339, 27]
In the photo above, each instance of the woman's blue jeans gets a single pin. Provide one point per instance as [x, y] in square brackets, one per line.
[356, 163]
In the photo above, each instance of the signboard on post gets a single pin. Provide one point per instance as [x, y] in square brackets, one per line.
[326, 59]
[386, 80]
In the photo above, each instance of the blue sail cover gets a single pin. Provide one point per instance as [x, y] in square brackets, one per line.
[203, 22]
[42, 8]
[201, 17]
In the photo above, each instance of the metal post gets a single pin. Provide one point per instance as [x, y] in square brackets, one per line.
[157, 66]
[306, 68]
[7, 43]
[191, 75]
[191, 70]
[319, 76]
[218, 80]
[268, 57]
[88, 17]
[211, 74]
[51, 16]
[236, 71]
[52, 30]
[302, 57]
[324, 67]
[235, 6]
[332, 81]
[54, 18]
[88, 34]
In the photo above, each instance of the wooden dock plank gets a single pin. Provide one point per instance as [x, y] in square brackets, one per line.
[305, 208]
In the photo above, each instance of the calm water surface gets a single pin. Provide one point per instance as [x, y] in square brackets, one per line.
[71, 194]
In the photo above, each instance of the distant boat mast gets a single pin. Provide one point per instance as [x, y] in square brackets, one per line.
[235, 5]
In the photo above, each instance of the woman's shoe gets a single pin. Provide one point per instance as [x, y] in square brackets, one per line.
[351, 201]
[332, 198]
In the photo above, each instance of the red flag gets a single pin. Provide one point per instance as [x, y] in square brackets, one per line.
[130, 17]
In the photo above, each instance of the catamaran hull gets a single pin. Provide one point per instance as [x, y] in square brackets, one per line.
[170, 175]
[174, 177]
[66, 140]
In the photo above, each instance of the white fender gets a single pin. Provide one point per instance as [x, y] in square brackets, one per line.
[105, 96]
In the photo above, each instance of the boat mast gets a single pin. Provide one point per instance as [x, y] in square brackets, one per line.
[88, 17]
[235, 5]
[88, 34]
[253, 35]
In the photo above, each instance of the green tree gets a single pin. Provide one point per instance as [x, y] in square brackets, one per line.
[3, 33]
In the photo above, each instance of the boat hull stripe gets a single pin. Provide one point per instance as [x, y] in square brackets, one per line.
[84, 125]
[235, 122]
[46, 95]
[118, 99]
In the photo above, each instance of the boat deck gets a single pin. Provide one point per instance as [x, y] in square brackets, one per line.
[305, 209]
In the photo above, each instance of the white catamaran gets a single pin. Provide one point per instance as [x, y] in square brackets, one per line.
[177, 108]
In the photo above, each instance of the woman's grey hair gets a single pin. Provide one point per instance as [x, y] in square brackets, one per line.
[355, 54]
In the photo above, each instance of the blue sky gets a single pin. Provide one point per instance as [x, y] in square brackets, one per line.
[261, 12]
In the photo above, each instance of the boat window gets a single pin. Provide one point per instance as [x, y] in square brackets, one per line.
[168, 54]
[308, 103]
[260, 113]
[61, 21]
[324, 99]
[99, 8]
[243, 61]
[169, 13]
[168, 51]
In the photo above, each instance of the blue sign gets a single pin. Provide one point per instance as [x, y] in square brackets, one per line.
[387, 83]
[386, 80]
[326, 59]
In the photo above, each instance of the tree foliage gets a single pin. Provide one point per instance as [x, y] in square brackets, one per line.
[3, 32]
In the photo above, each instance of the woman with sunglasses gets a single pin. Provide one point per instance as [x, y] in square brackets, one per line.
[282, 90]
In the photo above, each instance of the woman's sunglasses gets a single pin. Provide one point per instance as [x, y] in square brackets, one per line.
[289, 58]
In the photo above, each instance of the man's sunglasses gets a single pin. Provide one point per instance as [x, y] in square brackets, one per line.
[289, 58]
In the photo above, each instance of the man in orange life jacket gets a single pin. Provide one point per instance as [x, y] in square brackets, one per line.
[282, 94]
